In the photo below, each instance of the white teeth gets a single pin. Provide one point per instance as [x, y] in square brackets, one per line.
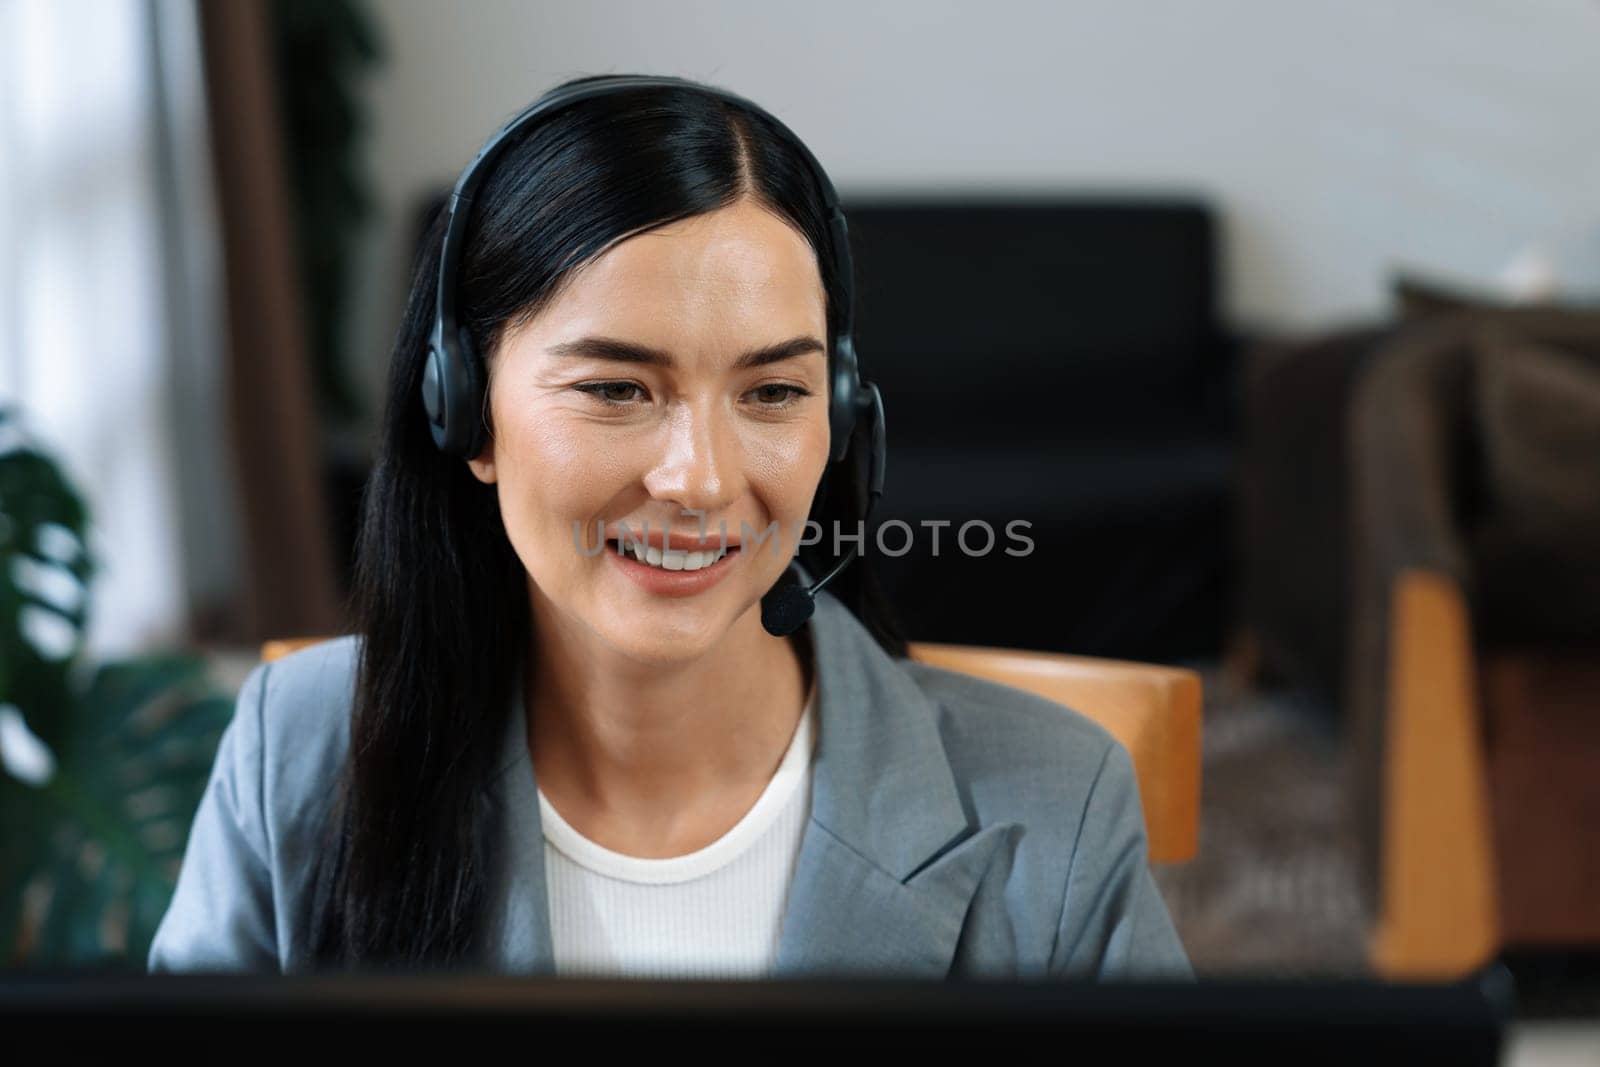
[672, 559]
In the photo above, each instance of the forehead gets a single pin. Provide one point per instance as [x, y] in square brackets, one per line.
[739, 267]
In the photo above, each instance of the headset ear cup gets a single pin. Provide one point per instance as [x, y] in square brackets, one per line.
[841, 421]
[452, 396]
[433, 396]
[844, 402]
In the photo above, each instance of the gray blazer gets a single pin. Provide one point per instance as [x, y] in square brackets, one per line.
[958, 828]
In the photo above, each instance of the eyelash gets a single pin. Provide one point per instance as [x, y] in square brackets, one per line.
[597, 390]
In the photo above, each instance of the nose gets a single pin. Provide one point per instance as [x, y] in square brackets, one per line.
[701, 462]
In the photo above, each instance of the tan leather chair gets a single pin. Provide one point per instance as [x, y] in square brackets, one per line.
[1490, 792]
[1153, 711]
[1439, 911]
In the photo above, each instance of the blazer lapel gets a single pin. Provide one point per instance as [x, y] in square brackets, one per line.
[519, 908]
[889, 862]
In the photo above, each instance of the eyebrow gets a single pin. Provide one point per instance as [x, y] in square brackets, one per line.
[629, 352]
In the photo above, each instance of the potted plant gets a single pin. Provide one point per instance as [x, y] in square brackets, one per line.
[102, 765]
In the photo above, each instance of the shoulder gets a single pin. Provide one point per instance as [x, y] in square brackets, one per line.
[294, 713]
[1018, 757]
[255, 843]
[1077, 886]
[989, 728]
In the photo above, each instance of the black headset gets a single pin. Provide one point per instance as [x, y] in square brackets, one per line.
[453, 380]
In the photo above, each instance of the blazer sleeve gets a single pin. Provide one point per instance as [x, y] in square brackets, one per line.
[221, 915]
[1114, 924]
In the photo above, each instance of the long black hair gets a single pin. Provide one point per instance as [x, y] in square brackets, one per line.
[439, 597]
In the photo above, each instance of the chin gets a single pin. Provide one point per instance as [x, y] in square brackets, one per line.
[664, 652]
[662, 634]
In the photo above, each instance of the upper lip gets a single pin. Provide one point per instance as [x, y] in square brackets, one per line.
[683, 542]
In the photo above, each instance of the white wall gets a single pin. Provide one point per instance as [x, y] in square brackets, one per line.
[1338, 138]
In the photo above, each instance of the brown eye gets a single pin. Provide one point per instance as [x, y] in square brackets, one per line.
[776, 395]
[615, 393]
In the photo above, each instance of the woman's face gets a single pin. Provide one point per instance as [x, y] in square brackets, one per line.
[675, 413]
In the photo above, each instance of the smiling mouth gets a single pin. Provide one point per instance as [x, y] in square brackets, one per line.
[669, 559]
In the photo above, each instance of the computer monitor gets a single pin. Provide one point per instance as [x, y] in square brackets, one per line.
[1226, 1022]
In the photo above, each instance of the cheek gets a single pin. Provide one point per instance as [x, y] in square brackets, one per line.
[788, 466]
[554, 470]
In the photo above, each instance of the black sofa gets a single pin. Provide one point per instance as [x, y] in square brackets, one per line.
[1059, 362]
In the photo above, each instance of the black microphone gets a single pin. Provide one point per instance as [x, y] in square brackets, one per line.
[788, 605]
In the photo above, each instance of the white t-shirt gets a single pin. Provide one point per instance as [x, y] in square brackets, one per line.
[714, 913]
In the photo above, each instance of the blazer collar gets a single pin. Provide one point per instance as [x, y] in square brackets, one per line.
[889, 861]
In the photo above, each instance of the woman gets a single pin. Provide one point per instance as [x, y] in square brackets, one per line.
[558, 743]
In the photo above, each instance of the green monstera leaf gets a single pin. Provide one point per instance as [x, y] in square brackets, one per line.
[111, 823]
[103, 765]
[45, 569]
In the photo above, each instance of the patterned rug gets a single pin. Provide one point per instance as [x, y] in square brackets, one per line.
[1273, 892]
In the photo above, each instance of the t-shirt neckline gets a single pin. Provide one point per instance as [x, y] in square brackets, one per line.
[793, 771]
